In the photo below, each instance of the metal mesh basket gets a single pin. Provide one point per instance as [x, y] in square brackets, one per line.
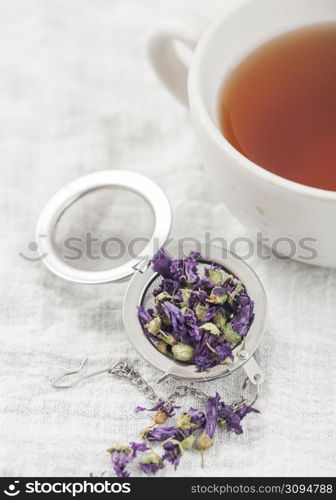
[140, 292]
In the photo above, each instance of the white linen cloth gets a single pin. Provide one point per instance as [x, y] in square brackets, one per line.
[77, 95]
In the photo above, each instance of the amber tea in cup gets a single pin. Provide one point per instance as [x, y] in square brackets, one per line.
[278, 106]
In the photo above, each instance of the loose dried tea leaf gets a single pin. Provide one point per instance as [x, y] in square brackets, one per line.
[188, 443]
[201, 312]
[162, 296]
[220, 321]
[183, 352]
[218, 296]
[215, 276]
[211, 328]
[230, 335]
[154, 326]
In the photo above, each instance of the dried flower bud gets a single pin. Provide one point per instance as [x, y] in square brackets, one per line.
[184, 422]
[154, 326]
[185, 292]
[151, 463]
[218, 296]
[220, 320]
[215, 276]
[120, 448]
[160, 417]
[239, 288]
[230, 335]
[211, 328]
[204, 442]
[201, 312]
[151, 458]
[183, 352]
[162, 296]
[188, 442]
[143, 433]
[169, 339]
[162, 347]
[173, 452]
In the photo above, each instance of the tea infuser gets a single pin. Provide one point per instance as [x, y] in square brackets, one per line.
[144, 279]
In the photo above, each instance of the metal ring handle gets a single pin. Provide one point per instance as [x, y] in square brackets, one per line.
[132, 181]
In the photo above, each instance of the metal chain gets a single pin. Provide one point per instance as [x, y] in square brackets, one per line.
[183, 390]
[123, 370]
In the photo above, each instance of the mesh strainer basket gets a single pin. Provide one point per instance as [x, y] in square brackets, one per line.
[140, 292]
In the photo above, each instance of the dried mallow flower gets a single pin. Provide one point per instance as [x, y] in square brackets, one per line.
[137, 447]
[211, 415]
[151, 463]
[120, 457]
[173, 451]
[162, 411]
[197, 417]
[162, 433]
[160, 417]
[154, 325]
[204, 442]
[184, 422]
[230, 418]
[197, 319]
[183, 352]
[188, 443]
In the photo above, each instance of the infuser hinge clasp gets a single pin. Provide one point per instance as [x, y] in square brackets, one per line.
[142, 265]
[253, 371]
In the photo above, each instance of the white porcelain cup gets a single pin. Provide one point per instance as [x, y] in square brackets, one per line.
[297, 217]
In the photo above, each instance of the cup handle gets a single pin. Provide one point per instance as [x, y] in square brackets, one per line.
[170, 68]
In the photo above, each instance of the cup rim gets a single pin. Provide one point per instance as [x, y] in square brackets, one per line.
[195, 95]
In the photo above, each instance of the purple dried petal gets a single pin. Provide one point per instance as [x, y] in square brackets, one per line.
[143, 315]
[234, 417]
[162, 433]
[191, 324]
[172, 453]
[212, 313]
[193, 255]
[211, 415]
[161, 263]
[168, 285]
[138, 409]
[203, 363]
[244, 316]
[168, 410]
[175, 316]
[191, 271]
[197, 296]
[119, 461]
[197, 417]
[185, 269]
[204, 358]
[135, 447]
[151, 468]
[224, 351]
[177, 269]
